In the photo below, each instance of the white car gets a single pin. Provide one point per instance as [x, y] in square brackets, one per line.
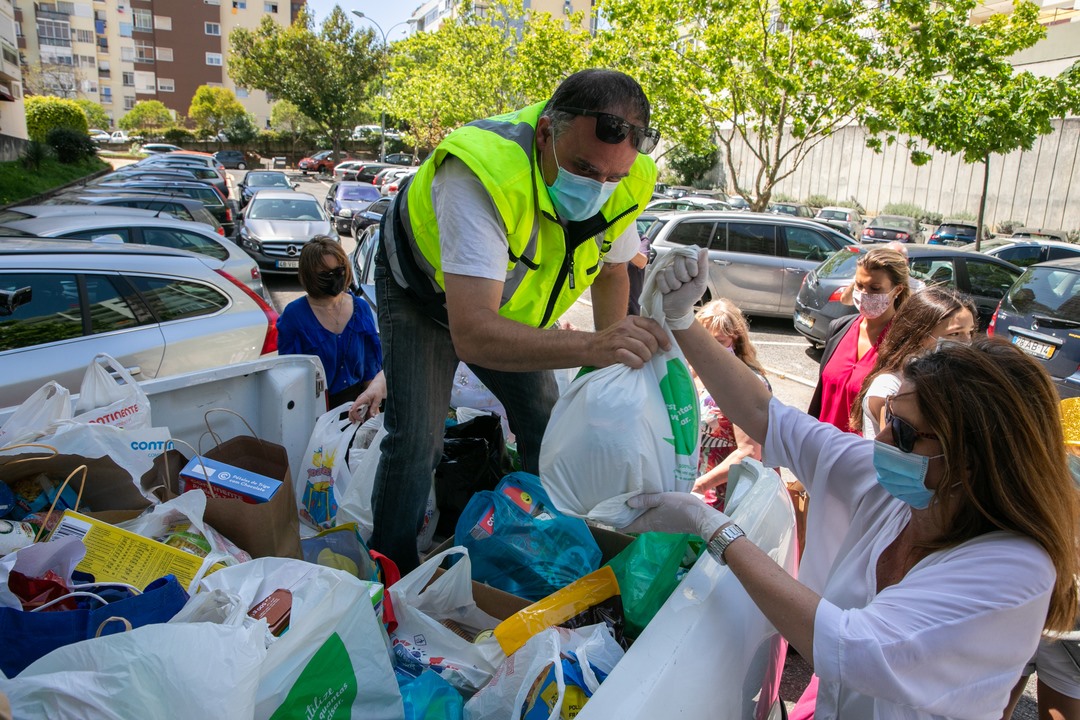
[158, 311]
[98, 136]
[121, 137]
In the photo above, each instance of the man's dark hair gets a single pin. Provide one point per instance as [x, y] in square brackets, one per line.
[601, 90]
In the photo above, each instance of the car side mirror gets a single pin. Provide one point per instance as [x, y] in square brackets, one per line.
[12, 299]
[296, 186]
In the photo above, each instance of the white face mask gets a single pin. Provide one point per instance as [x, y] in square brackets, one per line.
[871, 305]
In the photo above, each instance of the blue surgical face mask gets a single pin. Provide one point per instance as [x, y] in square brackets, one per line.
[576, 197]
[903, 475]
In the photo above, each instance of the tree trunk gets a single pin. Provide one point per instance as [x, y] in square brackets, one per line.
[982, 203]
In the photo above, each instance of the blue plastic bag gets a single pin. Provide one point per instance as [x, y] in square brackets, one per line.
[519, 543]
[429, 696]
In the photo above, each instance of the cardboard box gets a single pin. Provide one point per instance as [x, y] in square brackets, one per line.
[227, 481]
[116, 555]
[496, 603]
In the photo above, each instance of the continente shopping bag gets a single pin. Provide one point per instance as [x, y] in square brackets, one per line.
[617, 432]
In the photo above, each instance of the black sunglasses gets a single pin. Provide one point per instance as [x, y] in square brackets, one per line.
[331, 274]
[612, 129]
[903, 432]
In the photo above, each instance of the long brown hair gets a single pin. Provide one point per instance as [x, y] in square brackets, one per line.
[723, 316]
[914, 321]
[895, 266]
[995, 412]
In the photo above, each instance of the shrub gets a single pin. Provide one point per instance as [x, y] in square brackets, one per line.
[819, 201]
[1008, 227]
[177, 135]
[906, 209]
[70, 146]
[962, 215]
[35, 154]
[854, 204]
[931, 218]
[1073, 236]
[784, 198]
[46, 113]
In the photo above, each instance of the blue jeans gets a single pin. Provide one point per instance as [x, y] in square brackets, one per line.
[420, 362]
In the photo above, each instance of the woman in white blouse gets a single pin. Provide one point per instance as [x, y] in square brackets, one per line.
[953, 534]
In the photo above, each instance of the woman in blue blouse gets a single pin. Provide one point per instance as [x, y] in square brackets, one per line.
[336, 326]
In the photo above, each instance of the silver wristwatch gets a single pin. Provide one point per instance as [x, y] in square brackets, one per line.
[719, 542]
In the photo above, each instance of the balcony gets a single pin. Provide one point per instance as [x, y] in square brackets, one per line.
[104, 73]
[48, 13]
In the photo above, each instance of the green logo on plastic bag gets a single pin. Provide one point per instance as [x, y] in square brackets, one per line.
[680, 395]
[325, 689]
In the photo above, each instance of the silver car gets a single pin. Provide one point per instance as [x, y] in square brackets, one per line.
[845, 219]
[756, 260]
[158, 311]
[143, 227]
[275, 225]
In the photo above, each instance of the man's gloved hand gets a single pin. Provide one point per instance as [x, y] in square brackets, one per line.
[682, 284]
[676, 512]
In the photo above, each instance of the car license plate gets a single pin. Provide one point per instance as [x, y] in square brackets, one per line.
[804, 319]
[288, 264]
[1033, 347]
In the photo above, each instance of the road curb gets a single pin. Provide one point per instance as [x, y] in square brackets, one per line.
[794, 378]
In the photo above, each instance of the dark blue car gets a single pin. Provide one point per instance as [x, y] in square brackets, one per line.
[347, 199]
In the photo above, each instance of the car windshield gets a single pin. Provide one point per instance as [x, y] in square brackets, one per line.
[833, 215]
[892, 222]
[841, 264]
[949, 229]
[277, 209]
[1050, 291]
[785, 209]
[268, 180]
[359, 192]
[7, 216]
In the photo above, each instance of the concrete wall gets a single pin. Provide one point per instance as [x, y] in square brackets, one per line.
[1040, 187]
[11, 148]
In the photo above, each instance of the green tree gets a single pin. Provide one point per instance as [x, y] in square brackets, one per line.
[476, 65]
[287, 119]
[692, 166]
[242, 130]
[96, 117]
[44, 113]
[327, 74]
[148, 117]
[214, 109]
[976, 105]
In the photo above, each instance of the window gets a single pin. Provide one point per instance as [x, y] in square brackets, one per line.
[144, 51]
[692, 232]
[179, 299]
[106, 94]
[211, 2]
[166, 85]
[806, 244]
[109, 309]
[128, 79]
[54, 32]
[145, 82]
[65, 8]
[1021, 255]
[164, 54]
[84, 36]
[213, 58]
[988, 279]
[212, 28]
[144, 20]
[52, 314]
[241, 92]
[125, 29]
[270, 7]
[183, 240]
[121, 232]
[127, 54]
[1057, 253]
[752, 238]
[9, 53]
[934, 271]
[239, 4]
[129, 103]
[163, 22]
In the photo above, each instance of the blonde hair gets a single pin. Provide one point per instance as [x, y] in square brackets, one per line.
[894, 265]
[724, 317]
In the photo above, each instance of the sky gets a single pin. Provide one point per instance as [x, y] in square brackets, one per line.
[386, 13]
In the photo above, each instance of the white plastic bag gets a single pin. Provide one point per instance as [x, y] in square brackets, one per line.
[333, 661]
[188, 670]
[324, 472]
[513, 689]
[188, 509]
[618, 432]
[104, 400]
[49, 403]
[421, 640]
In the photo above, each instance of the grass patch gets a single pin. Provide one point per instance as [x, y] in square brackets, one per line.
[18, 183]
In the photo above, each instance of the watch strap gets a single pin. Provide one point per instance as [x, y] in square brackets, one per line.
[719, 542]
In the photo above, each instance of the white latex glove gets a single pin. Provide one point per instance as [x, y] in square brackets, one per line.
[682, 284]
[676, 512]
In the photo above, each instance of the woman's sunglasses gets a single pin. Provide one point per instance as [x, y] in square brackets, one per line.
[903, 432]
[612, 129]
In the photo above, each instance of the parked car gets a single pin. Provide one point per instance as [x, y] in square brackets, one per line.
[1040, 314]
[687, 202]
[347, 169]
[756, 260]
[793, 209]
[321, 162]
[98, 136]
[179, 206]
[401, 158]
[233, 159]
[30, 212]
[1041, 233]
[368, 171]
[366, 132]
[954, 233]
[363, 264]
[388, 171]
[184, 159]
[121, 137]
[345, 199]
[737, 202]
[255, 180]
[208, 195]
[275, 225]
[371, 216]
[170, 173]
[160, 148]
[847, 220]
[889, 228]
[678, 191]
[158, 311]
[984, 278]
[394, 183]
[1022, 252]
[140, 227]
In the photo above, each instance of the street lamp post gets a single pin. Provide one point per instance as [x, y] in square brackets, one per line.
[386, 45]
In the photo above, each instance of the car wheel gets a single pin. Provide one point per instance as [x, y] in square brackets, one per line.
[241, 166]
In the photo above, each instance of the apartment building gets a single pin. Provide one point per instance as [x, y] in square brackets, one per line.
[431, 14]
[120, 52]
[12, 113]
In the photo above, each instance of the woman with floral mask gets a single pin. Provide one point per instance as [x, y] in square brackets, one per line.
[952, 537]
[881, 286]
[338, 327]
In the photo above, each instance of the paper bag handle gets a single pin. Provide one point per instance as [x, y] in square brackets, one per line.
[29, 445]
[56, 498]
[206, 419]
[114, 618]
[168, 475]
